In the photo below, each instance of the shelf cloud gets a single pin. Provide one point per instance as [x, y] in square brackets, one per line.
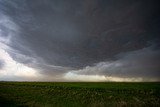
[142, 64]
[63, 40]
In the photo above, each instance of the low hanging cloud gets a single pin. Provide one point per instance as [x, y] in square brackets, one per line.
[141, 64]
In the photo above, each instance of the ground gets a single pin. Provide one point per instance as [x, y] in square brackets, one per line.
[79, 94]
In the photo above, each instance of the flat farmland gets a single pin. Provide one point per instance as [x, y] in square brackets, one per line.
[79, 94]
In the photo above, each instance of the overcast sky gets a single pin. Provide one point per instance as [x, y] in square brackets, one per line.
[79, 40]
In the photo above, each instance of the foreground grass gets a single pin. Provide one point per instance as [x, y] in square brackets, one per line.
[61, 94]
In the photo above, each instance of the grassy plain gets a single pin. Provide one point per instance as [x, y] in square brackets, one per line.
[79, 94]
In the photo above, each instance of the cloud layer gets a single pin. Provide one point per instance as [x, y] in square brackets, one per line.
[142, 64]
[86, 37]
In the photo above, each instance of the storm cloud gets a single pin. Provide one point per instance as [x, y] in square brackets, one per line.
[143, 63]
[91, 37]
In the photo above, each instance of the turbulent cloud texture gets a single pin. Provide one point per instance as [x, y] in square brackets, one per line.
[85, 37]
[142, 63]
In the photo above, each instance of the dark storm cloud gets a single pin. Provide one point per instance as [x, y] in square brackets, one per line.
[142, 63]
[58, 35]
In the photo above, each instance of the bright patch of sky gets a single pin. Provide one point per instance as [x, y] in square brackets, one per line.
[13, 69]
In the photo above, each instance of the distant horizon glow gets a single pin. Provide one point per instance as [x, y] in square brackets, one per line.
[14, 69]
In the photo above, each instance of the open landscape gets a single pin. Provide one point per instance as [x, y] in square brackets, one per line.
[79, 53]
[79, 94]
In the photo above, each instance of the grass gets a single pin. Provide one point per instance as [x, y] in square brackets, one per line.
[79, 94]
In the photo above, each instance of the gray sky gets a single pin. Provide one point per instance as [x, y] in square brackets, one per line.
[79, 40]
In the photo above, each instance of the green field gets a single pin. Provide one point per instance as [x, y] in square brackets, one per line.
[63, 94]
